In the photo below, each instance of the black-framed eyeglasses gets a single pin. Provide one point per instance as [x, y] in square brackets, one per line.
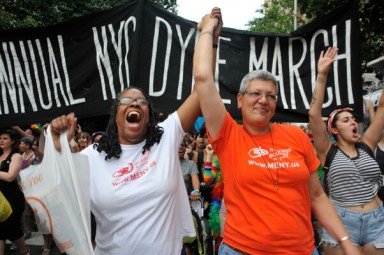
[130, 100]
[258, 95]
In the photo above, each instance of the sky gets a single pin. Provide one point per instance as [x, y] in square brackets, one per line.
[236, 13]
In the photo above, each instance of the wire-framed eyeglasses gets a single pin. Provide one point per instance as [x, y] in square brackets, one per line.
[258, 95]
[130, 100]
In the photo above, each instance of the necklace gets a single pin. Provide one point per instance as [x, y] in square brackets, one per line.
[275, 181]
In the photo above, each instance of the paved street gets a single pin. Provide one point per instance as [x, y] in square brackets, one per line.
[35, 243]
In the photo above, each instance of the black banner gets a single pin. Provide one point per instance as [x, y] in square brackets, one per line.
[80, 66]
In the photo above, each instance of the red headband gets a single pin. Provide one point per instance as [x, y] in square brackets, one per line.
[333, 114]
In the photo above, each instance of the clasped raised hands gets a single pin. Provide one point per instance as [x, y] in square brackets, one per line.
[212, 22]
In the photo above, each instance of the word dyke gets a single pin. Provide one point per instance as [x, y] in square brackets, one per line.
[82, 65]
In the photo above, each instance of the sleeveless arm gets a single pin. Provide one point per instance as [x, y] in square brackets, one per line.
[321, 138]
[374, 132]
[370, 109]
[14, 168]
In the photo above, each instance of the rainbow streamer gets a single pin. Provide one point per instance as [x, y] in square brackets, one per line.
[36, 126]
[217, 196]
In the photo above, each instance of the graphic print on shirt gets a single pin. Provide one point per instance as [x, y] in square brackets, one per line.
[123, 171]
[257, 152]
[133, 170]
[274, 155]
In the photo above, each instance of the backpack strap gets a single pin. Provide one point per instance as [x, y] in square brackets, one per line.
[328, 160]
[366, 148]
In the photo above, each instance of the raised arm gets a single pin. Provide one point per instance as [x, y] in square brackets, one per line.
[21, 132]
[370, 109]
[210, 170]
[321, 138]
[190, 109]
[210, 101]
[373, 134]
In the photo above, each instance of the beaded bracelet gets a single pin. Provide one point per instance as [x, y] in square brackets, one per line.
[208, 164]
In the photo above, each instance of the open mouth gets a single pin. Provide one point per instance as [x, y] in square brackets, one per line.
[133, 117]
[354, 130]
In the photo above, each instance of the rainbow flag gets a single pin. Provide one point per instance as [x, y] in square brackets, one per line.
[36, 126]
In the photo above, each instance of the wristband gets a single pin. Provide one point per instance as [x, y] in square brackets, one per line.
[208, 164]
[344, 238]
[195, 192]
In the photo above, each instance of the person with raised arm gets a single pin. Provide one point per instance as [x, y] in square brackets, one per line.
[353, 177]
[149, 213]
[269, 170]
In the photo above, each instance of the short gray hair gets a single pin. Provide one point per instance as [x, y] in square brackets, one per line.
[257, 74]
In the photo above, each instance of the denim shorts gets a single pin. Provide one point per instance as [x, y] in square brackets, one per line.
[363, 227]
[225, 249]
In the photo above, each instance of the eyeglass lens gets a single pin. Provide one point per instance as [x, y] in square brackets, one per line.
[130, 100]
[258, 95]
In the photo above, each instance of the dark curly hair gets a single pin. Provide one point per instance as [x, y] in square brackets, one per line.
[110, 142]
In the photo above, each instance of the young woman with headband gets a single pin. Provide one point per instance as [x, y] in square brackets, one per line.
[354, 177]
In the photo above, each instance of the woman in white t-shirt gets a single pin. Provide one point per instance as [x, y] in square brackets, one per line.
[138, 195]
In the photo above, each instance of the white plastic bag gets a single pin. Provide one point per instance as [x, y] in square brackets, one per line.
[58, 190]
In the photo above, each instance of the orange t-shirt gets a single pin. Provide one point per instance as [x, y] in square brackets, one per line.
[260, 219]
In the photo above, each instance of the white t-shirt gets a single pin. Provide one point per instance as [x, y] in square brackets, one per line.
[139, 201]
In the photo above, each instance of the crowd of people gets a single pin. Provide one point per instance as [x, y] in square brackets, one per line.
[19, 149]
[267, 173]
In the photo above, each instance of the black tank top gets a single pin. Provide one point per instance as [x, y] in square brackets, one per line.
[4, 167]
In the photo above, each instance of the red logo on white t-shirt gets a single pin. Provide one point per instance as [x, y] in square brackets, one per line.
[123, 171]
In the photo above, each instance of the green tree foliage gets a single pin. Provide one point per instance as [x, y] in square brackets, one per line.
[372, 30]
[371, 16]
[170, 5]
[279, 17]
[276, 17]
[34, 13]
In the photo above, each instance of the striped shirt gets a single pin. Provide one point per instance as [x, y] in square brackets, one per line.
[353, 181]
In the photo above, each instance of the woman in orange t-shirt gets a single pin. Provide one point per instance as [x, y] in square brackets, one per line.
[269, 170]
